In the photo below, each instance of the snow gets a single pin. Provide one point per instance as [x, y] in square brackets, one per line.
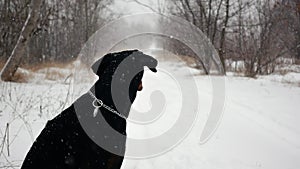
[288, 78]
[259, 128]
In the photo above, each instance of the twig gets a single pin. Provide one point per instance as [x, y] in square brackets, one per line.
[4, 138]
[7, 126]
[145, 5]
[68, 94]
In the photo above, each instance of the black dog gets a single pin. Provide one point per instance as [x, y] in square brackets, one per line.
[91, 133]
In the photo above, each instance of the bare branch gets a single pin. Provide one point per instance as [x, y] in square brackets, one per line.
[145, 5]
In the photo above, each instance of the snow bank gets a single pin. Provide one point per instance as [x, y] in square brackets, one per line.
[259, 129]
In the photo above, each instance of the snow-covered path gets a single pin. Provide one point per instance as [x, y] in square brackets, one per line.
[259, 128]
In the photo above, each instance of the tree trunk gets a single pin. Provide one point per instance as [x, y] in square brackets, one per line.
[14, 60]
[223, 34]
[298, 32]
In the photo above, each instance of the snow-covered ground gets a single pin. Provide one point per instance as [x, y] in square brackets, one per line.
[259, 128]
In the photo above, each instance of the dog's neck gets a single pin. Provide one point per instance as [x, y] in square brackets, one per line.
[103, 94]
[97, 103]
[84, 109]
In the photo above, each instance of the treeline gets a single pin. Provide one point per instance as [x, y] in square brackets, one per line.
[255, 32]
[62, 28]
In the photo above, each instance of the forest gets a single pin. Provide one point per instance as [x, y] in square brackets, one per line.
[254, 37]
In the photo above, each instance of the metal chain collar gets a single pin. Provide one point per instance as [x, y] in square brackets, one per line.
[101, 104]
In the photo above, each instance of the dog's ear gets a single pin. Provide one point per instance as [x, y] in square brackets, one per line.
[143, 60]
[100, 65]
[146, 60]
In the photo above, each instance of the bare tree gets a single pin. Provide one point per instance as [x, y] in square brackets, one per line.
[296, 8]
[263, 34]
[14, 60]
[12, 17]
[62, 27]
[211, 17]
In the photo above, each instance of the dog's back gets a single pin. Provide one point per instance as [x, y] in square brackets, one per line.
[69, 141]
[63, 144]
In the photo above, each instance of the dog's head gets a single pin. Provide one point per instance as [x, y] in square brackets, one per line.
[135, 58]
[121, 73]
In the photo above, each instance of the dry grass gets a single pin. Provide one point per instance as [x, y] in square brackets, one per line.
[190, 61]
[54, 75]
[40, 66]
[21, 77]
[284, 72]
[53, 71]
[26, 72]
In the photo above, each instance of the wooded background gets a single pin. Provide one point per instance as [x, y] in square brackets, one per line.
[258, 33]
